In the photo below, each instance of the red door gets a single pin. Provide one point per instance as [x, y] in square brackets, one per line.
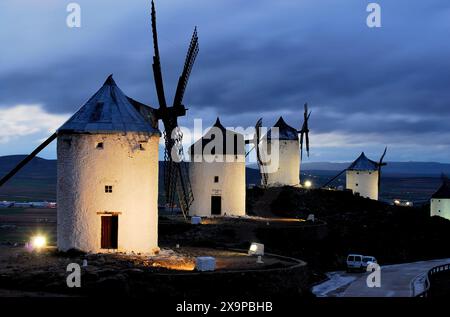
[110, 228]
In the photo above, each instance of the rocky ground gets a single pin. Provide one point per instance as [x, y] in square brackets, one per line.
[43, 273]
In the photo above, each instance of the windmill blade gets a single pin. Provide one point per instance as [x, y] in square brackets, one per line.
[301, 144]
[380, 164]
[26, 160]
[176, 176]
[157, 73]
[264, 176]
[333, 179]
[183, 188]
[255, 140]
[382, 156]
[187, 69]
[304, 131]
[176, 179]
[307, 143]
[169, 168]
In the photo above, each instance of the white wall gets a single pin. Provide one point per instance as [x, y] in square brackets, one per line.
[83, 172]
[287, 170]
[231, 185]
[363, 182]
[440, 207]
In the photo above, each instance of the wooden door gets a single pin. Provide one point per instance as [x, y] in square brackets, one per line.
[110, 234]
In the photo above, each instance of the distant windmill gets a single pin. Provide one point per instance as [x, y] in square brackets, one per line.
[363, 173]
[290, 159]
[176, 176]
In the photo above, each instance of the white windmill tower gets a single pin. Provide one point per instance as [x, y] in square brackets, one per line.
[107, 175]
[363, 176]
[217, 173]
[285, 169]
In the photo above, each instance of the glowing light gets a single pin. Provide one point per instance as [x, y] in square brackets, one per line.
[308, 184]
[256, 249]
[397, 202]
[38, 242]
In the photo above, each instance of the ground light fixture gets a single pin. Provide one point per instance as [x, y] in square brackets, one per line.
[308, 184]
[256, 249]
[38, 242]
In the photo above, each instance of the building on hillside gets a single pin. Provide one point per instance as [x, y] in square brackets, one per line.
[362, 177]
[217, 173]
[440, 201]
[107, 187]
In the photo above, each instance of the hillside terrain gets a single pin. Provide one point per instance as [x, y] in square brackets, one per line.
[37, 181]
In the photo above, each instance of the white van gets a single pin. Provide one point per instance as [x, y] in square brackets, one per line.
[355, 262]
[359, 262]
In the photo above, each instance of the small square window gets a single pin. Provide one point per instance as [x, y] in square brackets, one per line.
[141, 147]
[216, 179]
[108, 189]
[100, 145]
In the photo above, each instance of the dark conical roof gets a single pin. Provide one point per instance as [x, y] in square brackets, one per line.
[237, 147]
[285, 131]
[362, 163]
[219, 125]
[443, 192]
[109, 110]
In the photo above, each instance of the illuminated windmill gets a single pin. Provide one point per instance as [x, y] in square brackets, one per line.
[363, 176]
[107, 191]
[287, 170]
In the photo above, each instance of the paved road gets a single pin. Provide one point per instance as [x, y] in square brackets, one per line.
[395, 281]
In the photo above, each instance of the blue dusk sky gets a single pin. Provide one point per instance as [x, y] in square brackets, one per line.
[367, 87]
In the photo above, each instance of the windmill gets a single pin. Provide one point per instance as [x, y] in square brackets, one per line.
[285, 133]
[176, 177]
[367, 164]
[304, 132]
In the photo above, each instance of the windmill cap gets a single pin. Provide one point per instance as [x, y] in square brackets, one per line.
[110, 81]
[237, 148]
[109, 110]
[362, 163]
[285, 131]
[444, 191]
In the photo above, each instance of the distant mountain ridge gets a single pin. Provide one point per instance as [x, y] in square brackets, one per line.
[37, 168]
[45, 169]
[405, 168]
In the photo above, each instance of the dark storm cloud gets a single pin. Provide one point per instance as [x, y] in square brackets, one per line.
[257, 58]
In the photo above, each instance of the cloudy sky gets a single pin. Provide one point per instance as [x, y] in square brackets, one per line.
[367, 87]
